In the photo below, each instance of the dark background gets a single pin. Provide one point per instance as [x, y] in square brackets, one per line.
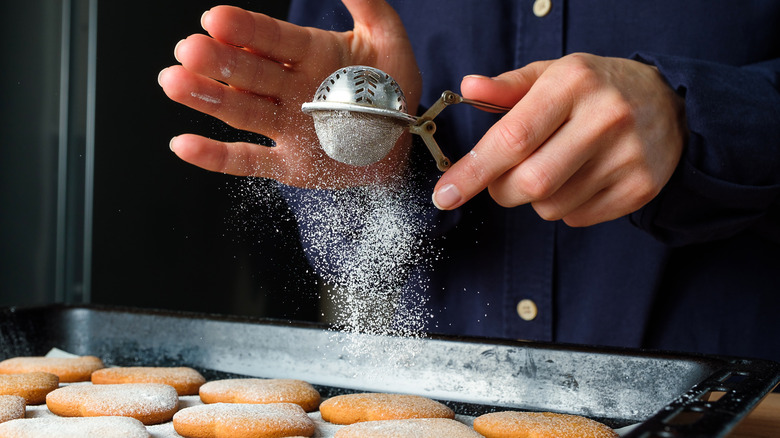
[168, 234]
[165, 234]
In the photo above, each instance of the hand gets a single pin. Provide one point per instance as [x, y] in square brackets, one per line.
[589, 139]
[254, 72]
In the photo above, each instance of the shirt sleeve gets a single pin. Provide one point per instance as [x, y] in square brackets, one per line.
[728, 180]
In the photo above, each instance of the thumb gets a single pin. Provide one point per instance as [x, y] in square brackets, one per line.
[376, 17]
[505, 89]
[379, 39]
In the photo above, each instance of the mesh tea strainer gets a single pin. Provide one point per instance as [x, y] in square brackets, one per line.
[360, 112]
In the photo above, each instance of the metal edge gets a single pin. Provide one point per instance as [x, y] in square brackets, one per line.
[742, 382]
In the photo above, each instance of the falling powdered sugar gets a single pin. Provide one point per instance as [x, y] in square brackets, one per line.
[367, 243]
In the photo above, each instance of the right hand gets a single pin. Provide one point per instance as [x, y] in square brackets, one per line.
[254, 72]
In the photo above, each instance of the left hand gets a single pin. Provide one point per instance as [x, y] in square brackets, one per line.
[253, 72]
[589, 139]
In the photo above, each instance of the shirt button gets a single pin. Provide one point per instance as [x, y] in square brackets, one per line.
[527, 310]
[542, 7]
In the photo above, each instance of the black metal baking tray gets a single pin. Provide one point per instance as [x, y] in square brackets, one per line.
[665, 394]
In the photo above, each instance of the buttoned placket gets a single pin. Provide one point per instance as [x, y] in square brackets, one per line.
[528, 301]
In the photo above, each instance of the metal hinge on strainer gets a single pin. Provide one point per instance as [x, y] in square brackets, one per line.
[360, 112]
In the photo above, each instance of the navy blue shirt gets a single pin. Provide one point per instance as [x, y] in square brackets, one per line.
[698, 268]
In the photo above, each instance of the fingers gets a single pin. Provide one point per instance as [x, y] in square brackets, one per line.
[236, 108]
[379, 31]
[242, 159]
[591, 139]
[611, 202]
[506, 89]
[237, 67]
[376, 16]
[274, 39]
[510, 141]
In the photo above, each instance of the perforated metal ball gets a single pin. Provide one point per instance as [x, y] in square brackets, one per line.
[359, 113]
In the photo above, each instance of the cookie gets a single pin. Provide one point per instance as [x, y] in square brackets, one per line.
[413, 428]
[32, 386]
[11, 407]
[185, 380]
[354, 408]
[59, 427]
[68, 369]
[239, 420]
[261, 391]
[511, 424]
[150, 403]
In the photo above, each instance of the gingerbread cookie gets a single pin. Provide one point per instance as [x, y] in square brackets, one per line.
[150, 403]
[242, 420]
[99, 427]
[68, 369]
[511, 424]
[413, 428]
[261, 391]
[354, 408]
[11, 407]
[32, 386]
[185, 380]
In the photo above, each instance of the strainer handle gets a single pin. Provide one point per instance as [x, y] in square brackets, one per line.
[485, 105]
[425, 127]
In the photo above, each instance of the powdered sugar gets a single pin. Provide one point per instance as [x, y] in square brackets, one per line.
[261, 391]
[68, 369]
[412, 428]
[32, 386]
[99, 427]
[166, 430]
[148, 402]
[353, 408]
[11, 407]
[205, 97]
[367, 244]
[184, 379]
[277, 419]
[356, 138]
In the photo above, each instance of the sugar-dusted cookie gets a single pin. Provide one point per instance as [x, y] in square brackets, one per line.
[11, 407]
[354, 408]
[68, 369]
[512, 424]
[32, 386]
[59, 427]
[412, 428]
[150, 403]
[261, 391]
[243, 420]
[186, 380]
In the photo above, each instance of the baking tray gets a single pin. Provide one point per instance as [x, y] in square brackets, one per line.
[663, 394]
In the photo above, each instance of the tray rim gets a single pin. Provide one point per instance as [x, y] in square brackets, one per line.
[714, 419]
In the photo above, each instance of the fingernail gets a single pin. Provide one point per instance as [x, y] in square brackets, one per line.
[159, 76]
[176, 50]
[476, 77]
[203, 20]
[446, 197]
[170, 144]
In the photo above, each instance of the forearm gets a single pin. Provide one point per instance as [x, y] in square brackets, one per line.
[729, 177]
